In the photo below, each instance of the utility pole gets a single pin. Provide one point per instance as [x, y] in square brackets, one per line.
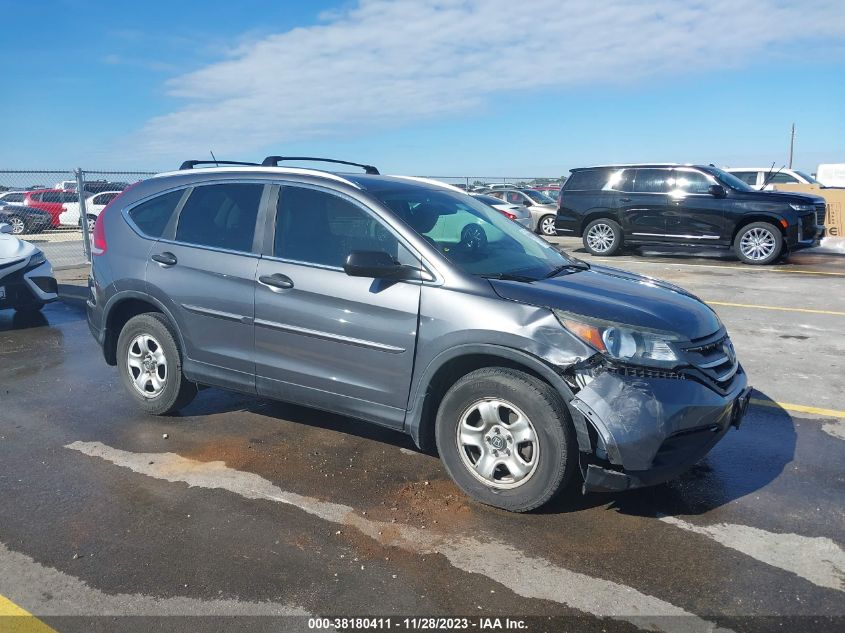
[791, 145]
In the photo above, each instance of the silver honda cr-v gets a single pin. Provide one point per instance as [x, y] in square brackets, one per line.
[408, 303]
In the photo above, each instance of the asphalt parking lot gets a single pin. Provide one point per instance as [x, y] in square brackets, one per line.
[242, 506]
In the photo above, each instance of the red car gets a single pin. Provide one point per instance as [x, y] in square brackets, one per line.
[50, 200]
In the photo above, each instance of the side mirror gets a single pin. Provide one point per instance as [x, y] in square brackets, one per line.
[717, 191]
[527, 203]
[380, 265]
[5, 228]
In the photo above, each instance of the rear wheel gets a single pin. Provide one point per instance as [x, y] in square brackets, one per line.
[546, 225]
[603, 237]
[18, 225]
[758, 243]
[506, 438]
[32, 308]
[150, 365]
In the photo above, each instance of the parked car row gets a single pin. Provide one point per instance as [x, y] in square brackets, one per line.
[24, 210]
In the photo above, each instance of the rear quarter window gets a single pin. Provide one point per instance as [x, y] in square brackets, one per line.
[587, 179]
[151, 217]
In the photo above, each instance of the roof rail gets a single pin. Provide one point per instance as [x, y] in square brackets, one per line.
[273, 161]
[190, 164]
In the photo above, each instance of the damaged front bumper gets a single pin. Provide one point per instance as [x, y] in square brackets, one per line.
[650, 430]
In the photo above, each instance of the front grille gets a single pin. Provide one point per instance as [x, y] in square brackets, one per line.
[714, 361]
[821, 212]
[644, 372]
[808, 226]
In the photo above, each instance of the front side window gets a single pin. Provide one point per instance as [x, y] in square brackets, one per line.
[539, 197]
[514, 197]
[781, 178]
[151, 217]
[685, 181]
[652, 181]
[221, 216]
[52, 196]
[317, 227]
[472, 235]
[13, 197]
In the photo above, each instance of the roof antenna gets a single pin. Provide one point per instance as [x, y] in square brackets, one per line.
[214, 158]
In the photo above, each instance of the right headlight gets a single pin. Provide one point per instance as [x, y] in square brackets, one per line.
[638, 346]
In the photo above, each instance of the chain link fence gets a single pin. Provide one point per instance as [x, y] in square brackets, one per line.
[45, 206]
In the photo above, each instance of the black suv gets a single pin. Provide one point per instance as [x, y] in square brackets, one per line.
[615, 205]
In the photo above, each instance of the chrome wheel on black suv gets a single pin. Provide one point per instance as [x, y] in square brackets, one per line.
[758, 243]
[603, 237]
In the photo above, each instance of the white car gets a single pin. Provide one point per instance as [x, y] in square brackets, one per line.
[93, 206]
[516, 212]
[768, 177]
[26, 277]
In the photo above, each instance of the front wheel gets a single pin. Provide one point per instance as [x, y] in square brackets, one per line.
[18, 225]
[758, 243]
[603, 237]
[546, 225]
[506, 438]
[150, 365]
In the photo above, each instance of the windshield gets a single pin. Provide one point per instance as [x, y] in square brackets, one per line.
[473, 236]
[729, 180]
[538, 196]
[807, 177]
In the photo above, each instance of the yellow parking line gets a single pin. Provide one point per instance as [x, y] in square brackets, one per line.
[751, 305]
[799, 408]
[13, 619]
[750, 269]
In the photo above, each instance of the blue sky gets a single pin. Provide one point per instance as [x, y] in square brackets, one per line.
[439, 87]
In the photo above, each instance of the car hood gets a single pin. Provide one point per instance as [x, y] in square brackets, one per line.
[797, 198]
[616, 295]
[11, 248]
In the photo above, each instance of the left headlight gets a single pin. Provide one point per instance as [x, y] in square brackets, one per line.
[37, 258]
[638, 346]
[802, 207]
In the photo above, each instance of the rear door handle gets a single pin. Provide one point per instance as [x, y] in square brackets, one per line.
[624, 199]
[166, 259]
[277, 280]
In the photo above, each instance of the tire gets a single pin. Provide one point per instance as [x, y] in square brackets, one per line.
[546, 225]
[603, 237]
[758, 243]
[150, 339]
[540, 473]
[32, 308]
[18, 225]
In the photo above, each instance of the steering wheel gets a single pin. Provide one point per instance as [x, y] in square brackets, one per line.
[473, 237]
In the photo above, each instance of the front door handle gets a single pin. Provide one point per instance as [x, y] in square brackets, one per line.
[166, 259]
[624, 199]
[277, 280]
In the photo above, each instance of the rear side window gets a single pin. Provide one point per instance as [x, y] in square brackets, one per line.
[748, 177]
[221, 216]
[152, 216]
[316, 227]
[782, 179]
[622, 180]
[587, 179]
[52, 196]
[651, 181]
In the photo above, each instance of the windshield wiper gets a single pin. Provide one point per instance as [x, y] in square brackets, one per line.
[571, 267]
[509, 277]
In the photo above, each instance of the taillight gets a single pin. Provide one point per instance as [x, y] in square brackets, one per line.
[507, 214]
[99, 246]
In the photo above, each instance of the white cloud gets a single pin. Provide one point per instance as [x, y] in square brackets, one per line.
[386, 63]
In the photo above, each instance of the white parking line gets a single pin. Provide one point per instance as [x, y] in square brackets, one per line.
[48, 592]
[816, 559]
[526, 576]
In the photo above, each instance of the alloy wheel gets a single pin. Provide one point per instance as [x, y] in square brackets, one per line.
[757, 244]
[18, 225]
[600, 237]
[147, 365]
[497, 443]
[547, 226]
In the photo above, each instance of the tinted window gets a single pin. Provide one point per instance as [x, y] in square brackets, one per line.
[781, 178]
[321, 228]
[491, 200]
[52, 196]
[690, 182]
[651, 181]
[588, 179]
[13, 197]
[220, 216]
[748, 177]
[104, 198]
[622, 180]
[153, 215]
[69, 196]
